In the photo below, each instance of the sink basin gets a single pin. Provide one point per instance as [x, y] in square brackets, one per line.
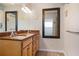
[19, 37]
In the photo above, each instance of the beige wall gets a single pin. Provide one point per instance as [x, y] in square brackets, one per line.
[34, 21]
[45, 43]
[71, 40]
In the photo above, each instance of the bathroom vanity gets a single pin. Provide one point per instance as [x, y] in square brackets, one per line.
[23, 44]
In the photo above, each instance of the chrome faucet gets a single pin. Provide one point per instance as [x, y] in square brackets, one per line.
[12, 34]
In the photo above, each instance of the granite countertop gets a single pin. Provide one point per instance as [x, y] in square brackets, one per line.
[18, 37]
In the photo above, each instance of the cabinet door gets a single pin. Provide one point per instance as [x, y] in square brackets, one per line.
[34, 48]
[10, 48]
[27, 51]
[35, 44]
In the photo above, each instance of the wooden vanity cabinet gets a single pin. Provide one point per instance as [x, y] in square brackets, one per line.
[19, 47]
[16, 47]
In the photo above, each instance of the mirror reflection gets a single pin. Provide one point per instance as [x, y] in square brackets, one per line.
[10, 21]
[51, 23]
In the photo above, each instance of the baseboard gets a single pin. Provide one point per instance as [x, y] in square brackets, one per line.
[49, 50]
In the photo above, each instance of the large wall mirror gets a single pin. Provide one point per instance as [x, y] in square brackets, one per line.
[11, 21]
[51, 23]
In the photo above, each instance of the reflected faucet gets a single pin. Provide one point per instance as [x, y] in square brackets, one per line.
[28, 31]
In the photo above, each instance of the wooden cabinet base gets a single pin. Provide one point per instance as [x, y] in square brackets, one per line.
[16, 48]
[25, 47]
[10, 48]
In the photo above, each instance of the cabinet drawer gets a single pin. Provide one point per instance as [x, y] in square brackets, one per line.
[26, 42]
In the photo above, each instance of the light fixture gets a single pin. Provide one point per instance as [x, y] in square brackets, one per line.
[26, 9]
